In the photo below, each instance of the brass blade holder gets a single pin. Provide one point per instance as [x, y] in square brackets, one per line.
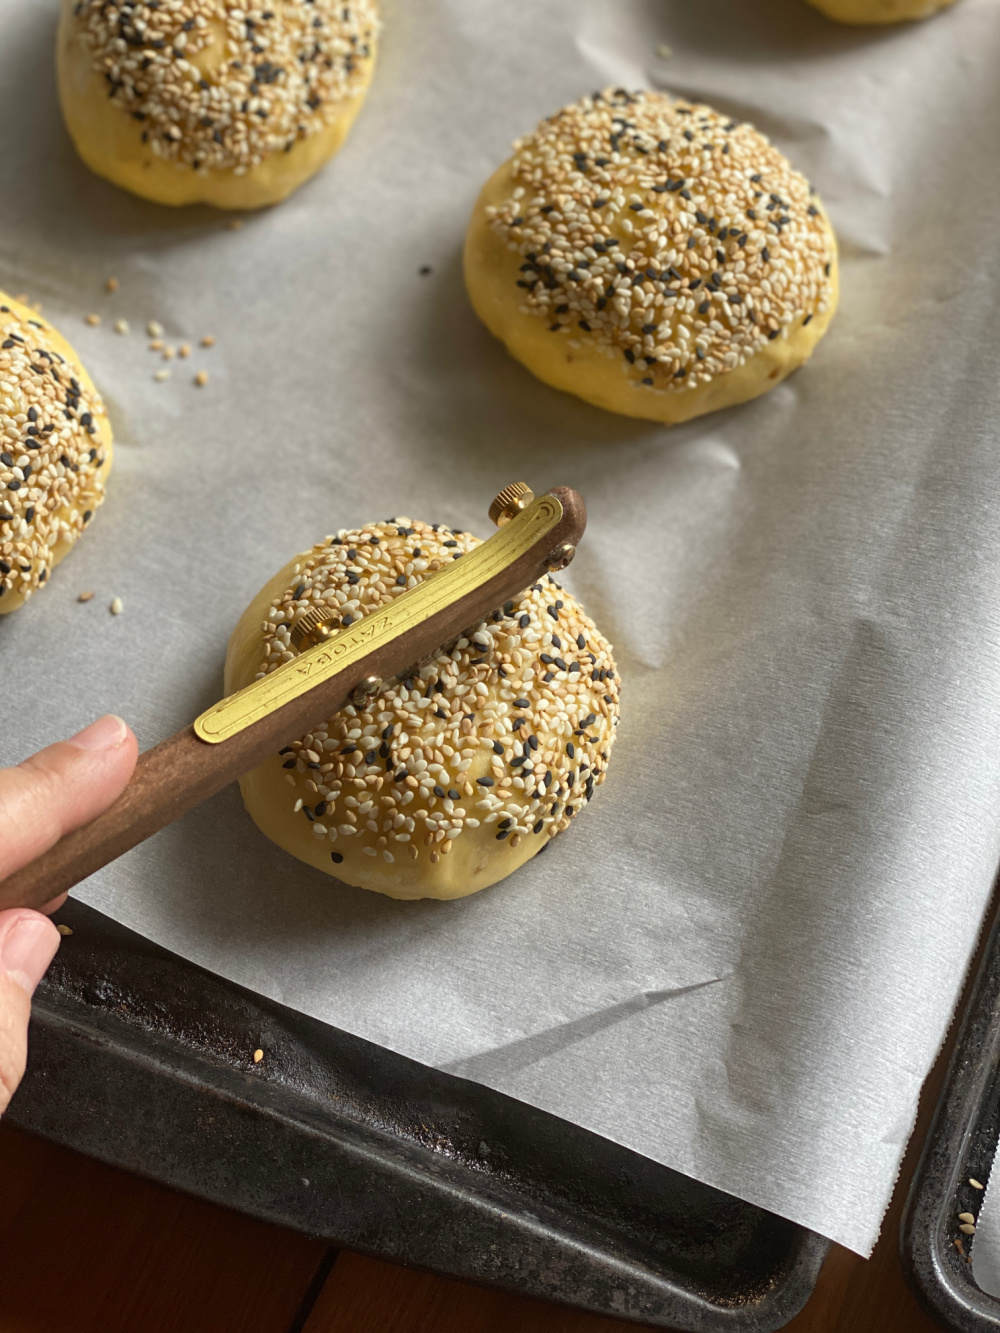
[314, 625]
[325, 646]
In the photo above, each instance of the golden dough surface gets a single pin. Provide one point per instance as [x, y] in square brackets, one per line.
[451, 779]
[213, 102]
[652, 257]
[55, 451]
[879, 11]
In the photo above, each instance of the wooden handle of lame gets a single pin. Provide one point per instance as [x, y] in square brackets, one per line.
[184, 770]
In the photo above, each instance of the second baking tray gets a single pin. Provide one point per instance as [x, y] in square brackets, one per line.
[145, 1061]
[961, 1144]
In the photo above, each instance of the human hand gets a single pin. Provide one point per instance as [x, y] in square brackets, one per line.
[56, 790]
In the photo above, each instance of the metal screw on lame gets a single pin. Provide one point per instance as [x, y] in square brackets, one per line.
[313, 626]
[560, 556]
[364, 690]
[509, 503]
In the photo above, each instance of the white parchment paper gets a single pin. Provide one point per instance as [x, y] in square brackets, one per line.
[742, 960]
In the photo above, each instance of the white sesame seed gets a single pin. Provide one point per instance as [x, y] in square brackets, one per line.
[117, 606]
[154, 328]
[161, 375]
[967, 1229]
[121, 326]
[976, 1185]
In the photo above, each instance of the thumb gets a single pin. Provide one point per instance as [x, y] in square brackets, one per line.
[60, 788]
[28, 942]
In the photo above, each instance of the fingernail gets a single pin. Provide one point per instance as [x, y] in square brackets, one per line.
[107, 733]
[28, 943]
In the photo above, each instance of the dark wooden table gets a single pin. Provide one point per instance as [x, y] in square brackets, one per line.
[85, 1248]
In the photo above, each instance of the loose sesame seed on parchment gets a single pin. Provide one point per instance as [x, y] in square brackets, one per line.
[533, 690]
[665, 233]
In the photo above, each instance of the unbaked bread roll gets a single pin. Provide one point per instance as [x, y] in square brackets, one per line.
[652, 256]
[447, 781]
[879, 11]
[55, 451]
[213, 101]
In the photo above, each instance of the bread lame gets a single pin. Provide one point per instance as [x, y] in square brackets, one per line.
[333, 667]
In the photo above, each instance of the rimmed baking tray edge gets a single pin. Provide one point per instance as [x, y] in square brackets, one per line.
[961, 1145]
[137, 1096]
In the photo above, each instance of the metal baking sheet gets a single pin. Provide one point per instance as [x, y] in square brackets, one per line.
[804, 798]
[961, 1146]
[146, 1061]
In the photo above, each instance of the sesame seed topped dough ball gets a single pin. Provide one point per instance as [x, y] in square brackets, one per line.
[879, 11]
[449, 780]
[213, 101]
[652, 256]
[55, 451]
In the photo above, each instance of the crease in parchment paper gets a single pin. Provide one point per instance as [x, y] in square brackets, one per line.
[742, 959]
[517, 1055]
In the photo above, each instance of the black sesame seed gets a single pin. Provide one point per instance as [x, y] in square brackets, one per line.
[336, 857]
